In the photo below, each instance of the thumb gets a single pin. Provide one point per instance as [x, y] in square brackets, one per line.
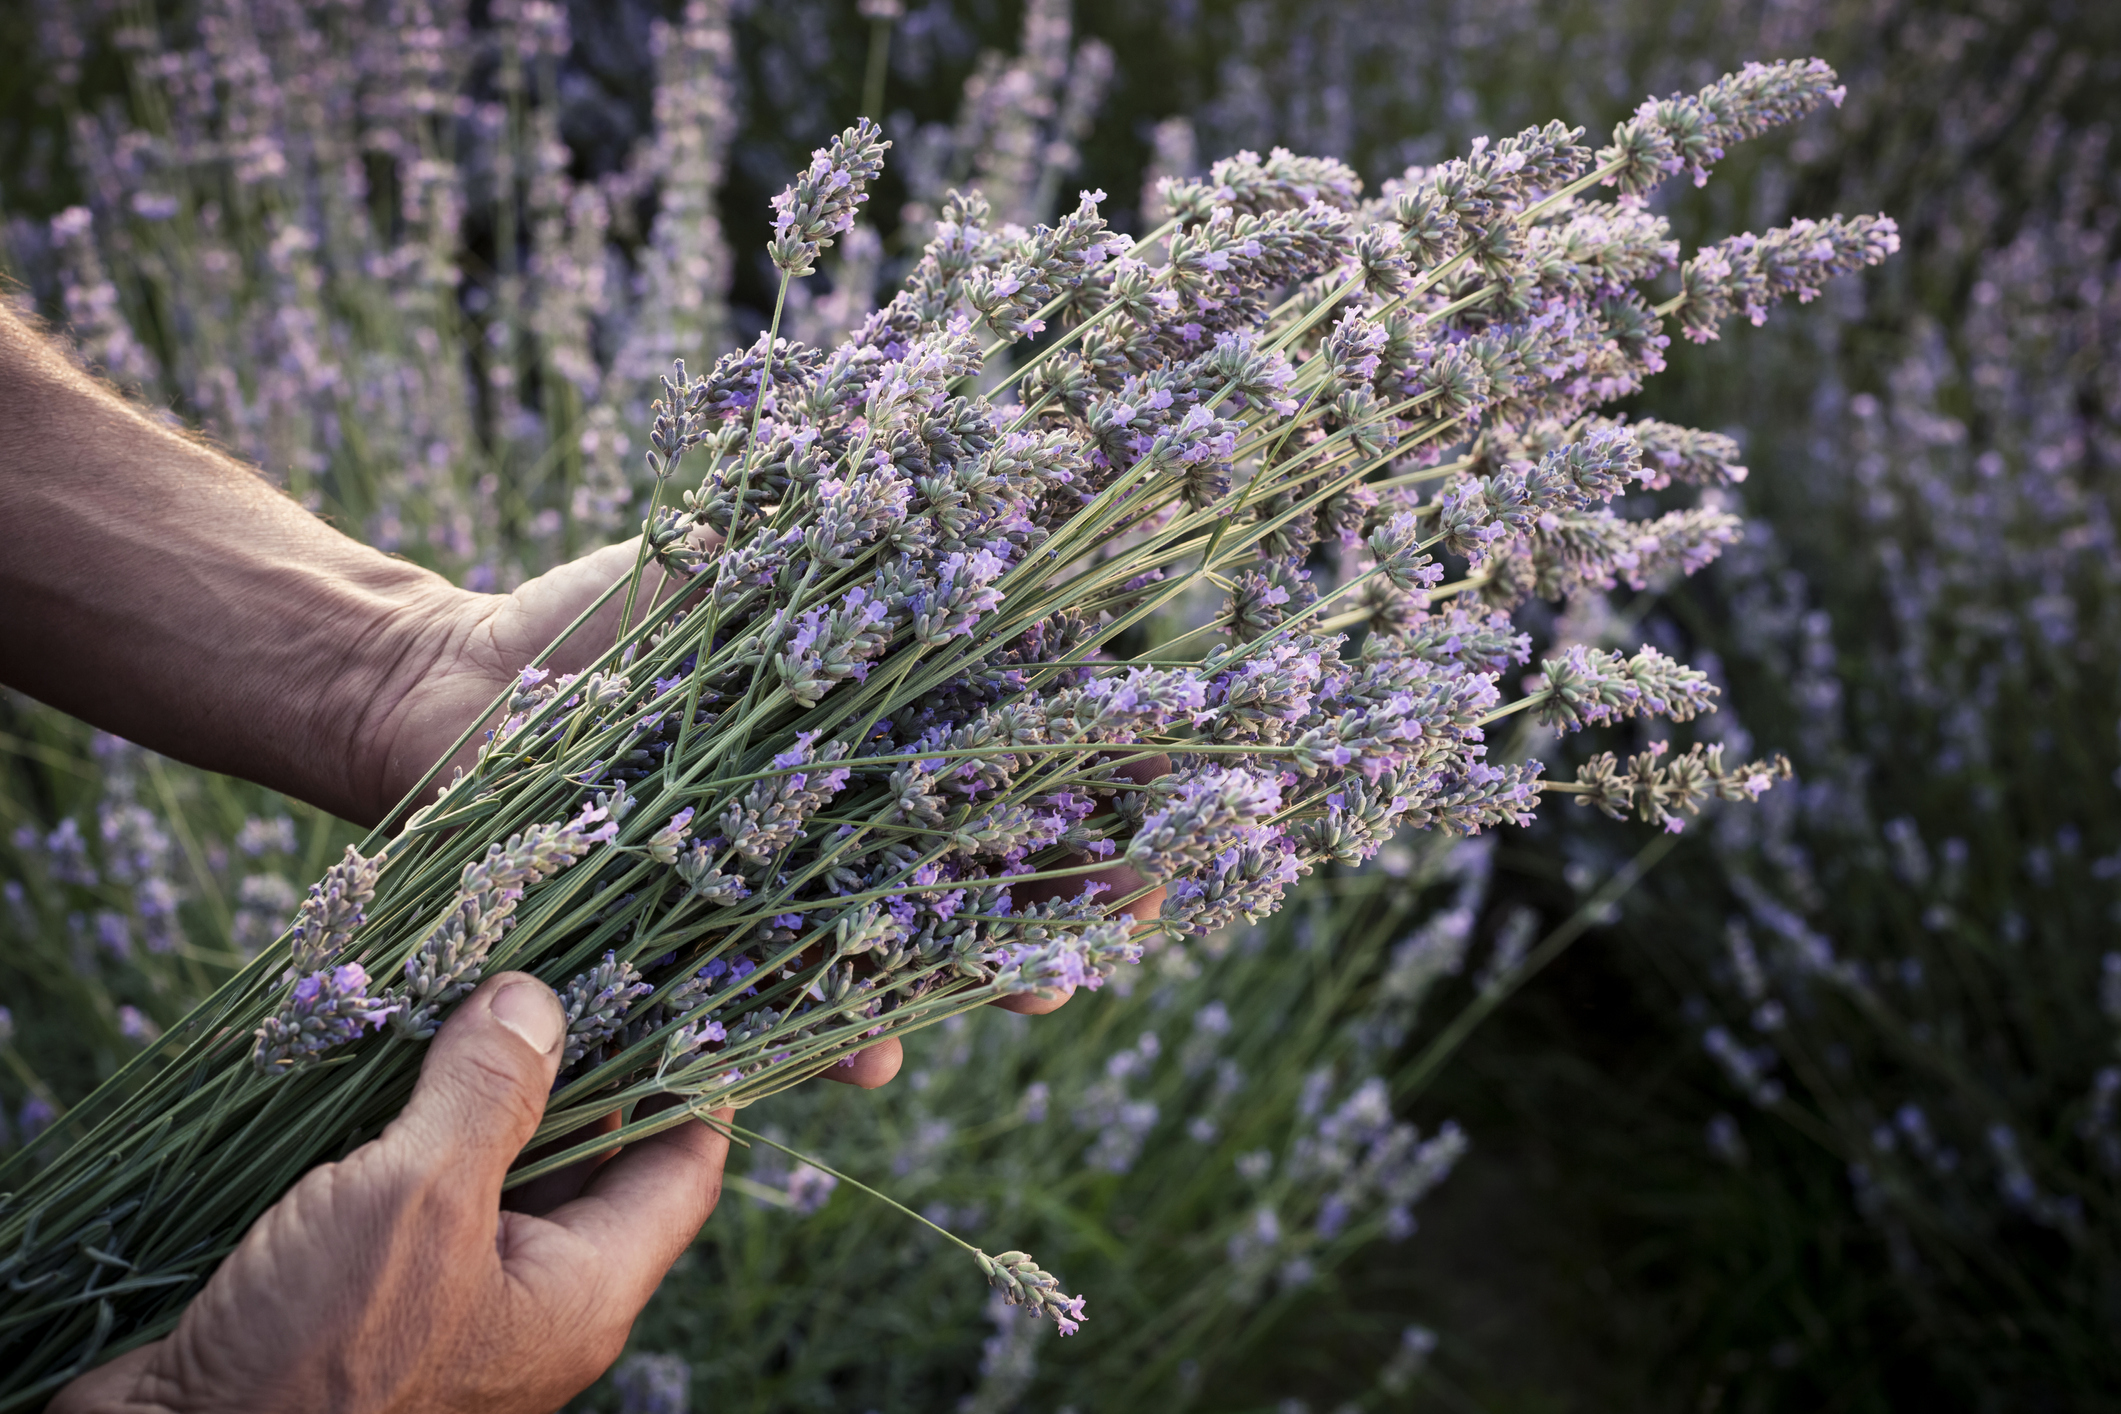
[484, 1082]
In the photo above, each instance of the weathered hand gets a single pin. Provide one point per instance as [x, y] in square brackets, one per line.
[472, 646]
[394, 1279]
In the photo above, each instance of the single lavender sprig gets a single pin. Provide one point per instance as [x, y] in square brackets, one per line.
[1594, 686]
[333, 912]
[1688, 133]
[1659, 787]
[448, 961]
[1022, 1282]
[596, 1003]
[820, 204]
[1747, 274]
[327, 1009]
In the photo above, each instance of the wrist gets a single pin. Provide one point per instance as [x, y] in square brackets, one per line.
[379, 703]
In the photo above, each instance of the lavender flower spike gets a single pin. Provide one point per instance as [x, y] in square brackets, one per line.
[334, 909]
[328, 1009]
[820, 204]
[597, 1002]
[449, 960]
[1067, 960]
[1022, 1283]
[1397, 547]
[1211, 813]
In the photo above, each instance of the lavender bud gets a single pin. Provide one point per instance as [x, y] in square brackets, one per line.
[1066, 959]
[1216, 810]
[1244, 184]
[449, 960]
[333, 911]
[1747, 274]
[826, 646]
[328, 1008]
[959, 596]
[1053, 260]
[664, 844]
[821, 202]
[1671, 453]
[1022, 1283]
[1396, 544]
[1247, 882]
[1659, 787]
[1586, 687]
[596, 1003]
[1677, 134]
[696, 868]
[1428, 229]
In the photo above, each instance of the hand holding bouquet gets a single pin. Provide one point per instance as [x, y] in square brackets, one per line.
[954, 637]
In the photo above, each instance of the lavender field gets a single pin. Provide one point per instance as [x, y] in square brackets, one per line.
[1811, 1100]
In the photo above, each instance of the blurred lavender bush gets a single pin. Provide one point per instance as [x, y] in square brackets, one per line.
[1858, 1142]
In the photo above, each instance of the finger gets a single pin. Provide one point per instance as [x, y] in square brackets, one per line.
[1124, 881]
[645, 1207]
[1143, 771]
[1034, 1003]
[1120, 881]
[121, 1384]
[541, 1195]
[871, 1066]
[483, 1084]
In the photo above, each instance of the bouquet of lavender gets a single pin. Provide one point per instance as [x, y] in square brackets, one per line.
[906, 685]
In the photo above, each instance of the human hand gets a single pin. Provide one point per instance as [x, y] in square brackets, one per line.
[469, 648]
[394, 1279]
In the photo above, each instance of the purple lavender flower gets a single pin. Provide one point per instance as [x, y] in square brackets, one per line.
[1054, 260]
[1686, 134]
[1022, 1283]
[827, 645]
[1243, 883]
[451, 958]
[1246, 185]
[327, 1009]
[771, 813]
[596, 1003]
[961, 594]
[333, 911]
[1216, 810]
[1065, 959]
[1747, 274]
[821, 203]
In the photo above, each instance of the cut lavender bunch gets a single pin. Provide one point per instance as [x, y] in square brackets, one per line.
[855, 775]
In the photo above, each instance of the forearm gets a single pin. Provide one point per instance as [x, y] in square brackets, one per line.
[160, 590]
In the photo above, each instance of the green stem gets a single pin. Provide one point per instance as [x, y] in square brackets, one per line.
[879, 67]
[736, 1131]
[640, 556]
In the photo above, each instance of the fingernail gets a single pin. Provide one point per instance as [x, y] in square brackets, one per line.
[529, 1009]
